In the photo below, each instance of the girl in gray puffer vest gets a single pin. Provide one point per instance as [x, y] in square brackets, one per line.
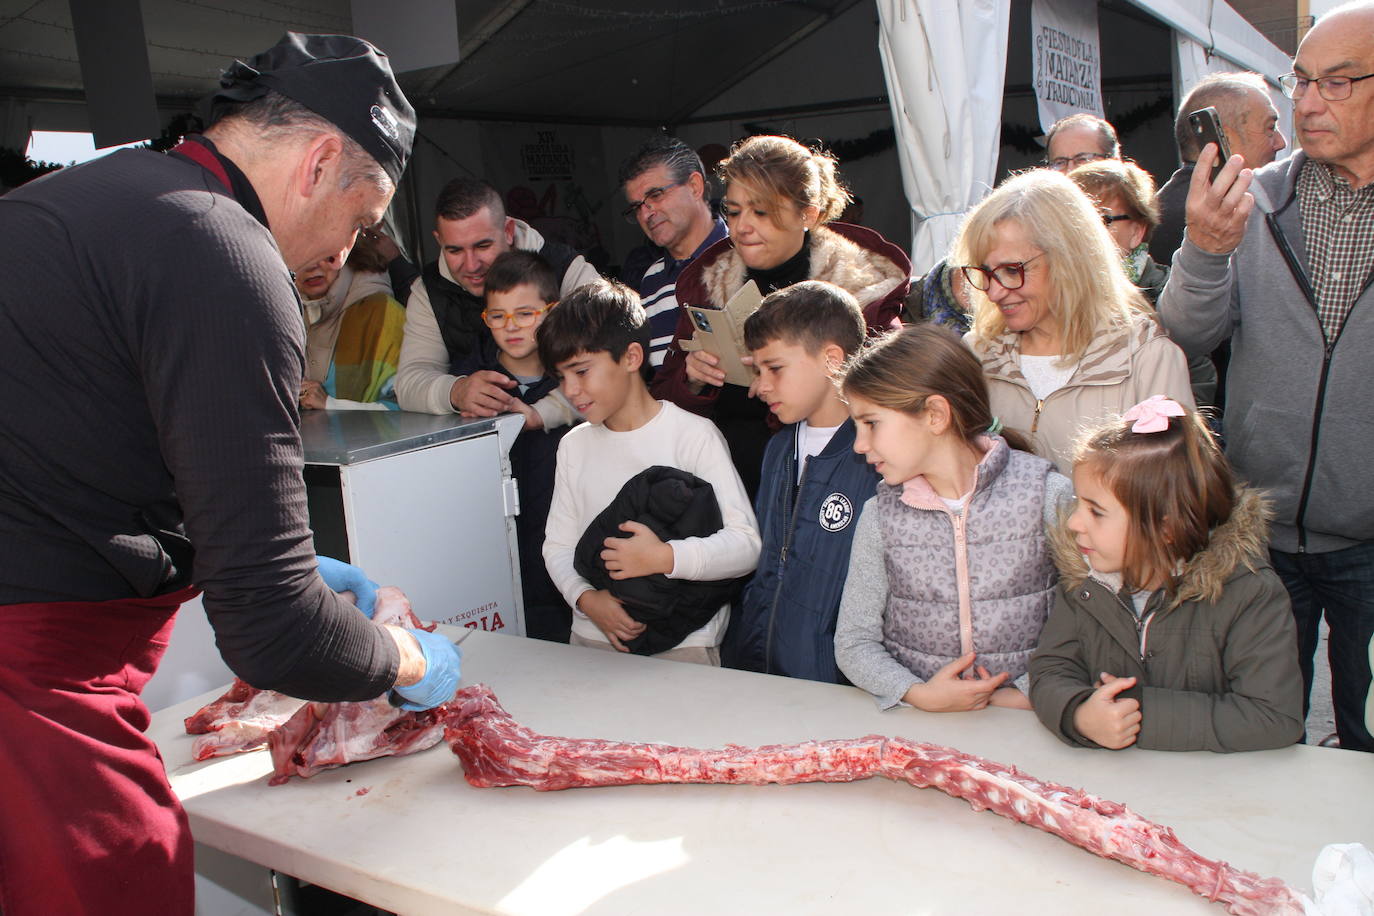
[950, 576]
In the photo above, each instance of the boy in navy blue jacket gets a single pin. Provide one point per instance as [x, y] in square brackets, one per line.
[813, 484]
[520, 289]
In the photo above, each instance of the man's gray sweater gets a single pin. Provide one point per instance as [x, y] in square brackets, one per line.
[1299, 408]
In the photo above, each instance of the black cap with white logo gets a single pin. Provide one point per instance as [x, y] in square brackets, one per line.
[343, 79]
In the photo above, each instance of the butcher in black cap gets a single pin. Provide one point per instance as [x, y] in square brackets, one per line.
[151, 351]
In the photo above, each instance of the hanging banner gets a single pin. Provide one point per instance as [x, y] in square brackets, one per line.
[1068, 59]
[551, 176]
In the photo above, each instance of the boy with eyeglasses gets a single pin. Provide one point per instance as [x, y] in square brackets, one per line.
[520, 289]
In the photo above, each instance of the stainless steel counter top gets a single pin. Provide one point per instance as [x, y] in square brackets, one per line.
[344, 437]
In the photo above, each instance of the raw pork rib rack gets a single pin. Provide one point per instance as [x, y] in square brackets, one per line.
[495, 750]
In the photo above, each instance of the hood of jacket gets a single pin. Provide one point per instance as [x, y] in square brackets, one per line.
[1237, 545]
[1107, 361]
[855, 259]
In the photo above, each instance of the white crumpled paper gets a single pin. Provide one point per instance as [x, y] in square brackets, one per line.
[1343, 880]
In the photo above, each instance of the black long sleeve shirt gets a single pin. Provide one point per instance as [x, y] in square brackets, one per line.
[151, 352]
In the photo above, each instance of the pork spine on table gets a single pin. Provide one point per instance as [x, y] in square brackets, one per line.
[495, 750]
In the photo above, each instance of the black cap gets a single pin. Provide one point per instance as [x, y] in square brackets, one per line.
[343, 79]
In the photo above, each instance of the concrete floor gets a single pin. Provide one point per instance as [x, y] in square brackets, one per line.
[1321, 718]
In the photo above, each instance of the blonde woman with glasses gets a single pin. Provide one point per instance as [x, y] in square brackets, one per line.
[1064, 338]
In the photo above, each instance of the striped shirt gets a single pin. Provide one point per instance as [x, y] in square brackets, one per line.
[658, 294]
[1338, 226]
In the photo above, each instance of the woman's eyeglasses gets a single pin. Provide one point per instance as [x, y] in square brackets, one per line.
[1109, 218]
[1010, 276]
[651, 196]
[521, 318]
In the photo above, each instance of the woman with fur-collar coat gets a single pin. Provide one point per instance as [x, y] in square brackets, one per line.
[1216, 664]
[858, 260]
[780, 202]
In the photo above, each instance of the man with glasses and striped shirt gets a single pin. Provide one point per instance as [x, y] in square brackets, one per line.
[665, 185]
[1281, 261]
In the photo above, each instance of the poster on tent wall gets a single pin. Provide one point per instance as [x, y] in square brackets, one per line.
[552, 177]
[1068, 59]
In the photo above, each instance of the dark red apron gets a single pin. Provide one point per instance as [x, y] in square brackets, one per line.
[88, 823]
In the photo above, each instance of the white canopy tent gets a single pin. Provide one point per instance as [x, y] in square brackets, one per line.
[945, 63]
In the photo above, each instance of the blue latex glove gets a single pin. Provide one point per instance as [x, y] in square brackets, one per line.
[441, 674]
[345, 577]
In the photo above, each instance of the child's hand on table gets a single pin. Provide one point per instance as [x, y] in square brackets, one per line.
[532, 418]
[950, 691]
[640, 554]
[606, 611]
[1107, 718]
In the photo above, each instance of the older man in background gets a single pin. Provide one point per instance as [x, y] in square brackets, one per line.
[1079, 139]
[1251, 125]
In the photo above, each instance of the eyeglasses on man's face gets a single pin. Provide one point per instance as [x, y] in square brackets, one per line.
[1331, 88]
[651, 196]
[1064, 163]
[520, 318]
[1009, 276]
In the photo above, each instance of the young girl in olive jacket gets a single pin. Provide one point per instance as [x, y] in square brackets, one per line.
[1169, 629]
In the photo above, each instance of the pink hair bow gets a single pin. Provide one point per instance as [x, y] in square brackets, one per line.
[1152, 414]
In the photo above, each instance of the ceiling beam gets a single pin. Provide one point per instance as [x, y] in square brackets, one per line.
[486, 30]
[867, 103]
[78, 97]
[719, 88]
[538, 118]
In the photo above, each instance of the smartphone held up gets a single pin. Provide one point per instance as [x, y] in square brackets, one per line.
[1206, 128]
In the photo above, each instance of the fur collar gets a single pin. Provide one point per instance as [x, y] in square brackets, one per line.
[1237, 544]
[866, 274]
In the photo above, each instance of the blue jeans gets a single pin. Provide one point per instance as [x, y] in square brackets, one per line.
[1341, 583]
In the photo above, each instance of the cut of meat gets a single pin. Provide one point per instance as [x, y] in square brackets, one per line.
[495, 750]
[242, 718]
[239, 720]
[325, 735]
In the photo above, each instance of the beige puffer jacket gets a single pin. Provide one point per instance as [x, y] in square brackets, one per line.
[1120, 369]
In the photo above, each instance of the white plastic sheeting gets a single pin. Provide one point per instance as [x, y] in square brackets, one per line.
[945, 63]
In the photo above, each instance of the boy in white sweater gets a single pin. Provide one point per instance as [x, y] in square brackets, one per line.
[596, 342]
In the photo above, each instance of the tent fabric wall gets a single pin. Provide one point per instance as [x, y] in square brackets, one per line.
[945, 64]
[1214, 25]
